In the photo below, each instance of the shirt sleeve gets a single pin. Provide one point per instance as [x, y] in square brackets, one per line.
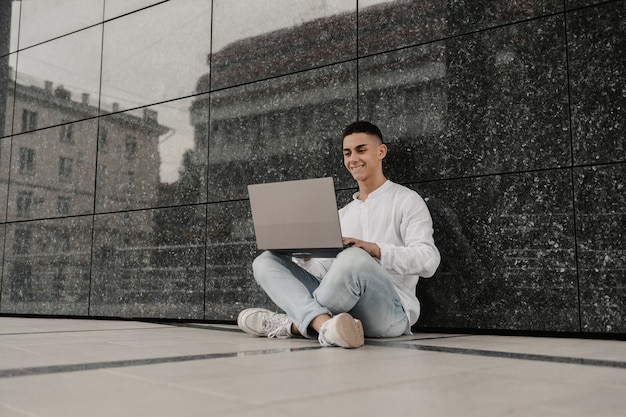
[418, 255]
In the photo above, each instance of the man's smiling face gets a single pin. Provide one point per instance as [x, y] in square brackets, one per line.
[363, 154]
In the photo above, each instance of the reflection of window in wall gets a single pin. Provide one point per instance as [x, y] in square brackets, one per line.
[201, 136]
[131, 148]
[67, 133]
[63, 205]
[21, 279]
[65, 169]
[29, 120]
[102, 175]
[24, 203]
[58, 285]
[130, 179]
[21, 244]
[27, 161]
[103, 144]
[63, 240]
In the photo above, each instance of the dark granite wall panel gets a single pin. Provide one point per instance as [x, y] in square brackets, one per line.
[5, 166]
[9, 27]
[71, 78]
[479, 104]
[130, 129]
[401, 23]
[573, 4]
[2, 241]
[156, 55]
[7, 96]
[84, 13]
[149, 263]
[285, 128]
[507, 245]
[597, 68]
[231, 248]
[46, 267]
[601, 232]
[8, 44]
[6, 47]
[116, 8]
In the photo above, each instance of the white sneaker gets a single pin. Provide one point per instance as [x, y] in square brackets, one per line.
[263, 322]
[342, 330]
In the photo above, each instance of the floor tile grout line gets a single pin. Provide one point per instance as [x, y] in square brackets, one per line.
[203, 327]
[90, 366]
[502, 354]
[413, 339]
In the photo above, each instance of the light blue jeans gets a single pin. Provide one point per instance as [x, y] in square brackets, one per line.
[355, 283]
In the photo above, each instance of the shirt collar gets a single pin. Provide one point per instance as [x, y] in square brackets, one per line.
[374, 193]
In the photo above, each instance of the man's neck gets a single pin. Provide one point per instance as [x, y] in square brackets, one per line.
[368, 187]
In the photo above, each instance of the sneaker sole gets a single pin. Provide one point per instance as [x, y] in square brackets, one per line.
[350, 331]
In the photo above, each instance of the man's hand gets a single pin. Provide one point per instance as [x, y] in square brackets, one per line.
[369, 247]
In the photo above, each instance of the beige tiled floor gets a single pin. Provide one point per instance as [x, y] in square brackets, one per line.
[60, 367]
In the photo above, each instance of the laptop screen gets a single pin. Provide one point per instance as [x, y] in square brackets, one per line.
[296, 217]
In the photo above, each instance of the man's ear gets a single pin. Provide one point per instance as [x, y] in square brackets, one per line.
[382, 150]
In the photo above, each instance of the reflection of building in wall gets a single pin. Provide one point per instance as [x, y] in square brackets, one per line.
[49, 172]
[47, 266]
[193, 169]
[128, 161]
[270, 120]
[52, 168]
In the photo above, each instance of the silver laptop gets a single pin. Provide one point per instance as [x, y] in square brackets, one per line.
[297, 218]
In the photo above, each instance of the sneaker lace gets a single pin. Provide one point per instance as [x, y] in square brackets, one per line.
[277, 327]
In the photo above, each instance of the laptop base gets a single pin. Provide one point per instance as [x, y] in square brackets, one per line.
[307, 253]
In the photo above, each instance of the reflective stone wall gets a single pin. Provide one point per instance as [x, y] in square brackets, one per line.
[130, 129]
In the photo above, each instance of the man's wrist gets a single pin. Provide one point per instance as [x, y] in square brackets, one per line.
[376, 251]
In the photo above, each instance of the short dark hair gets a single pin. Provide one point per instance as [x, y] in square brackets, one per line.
[361, 126]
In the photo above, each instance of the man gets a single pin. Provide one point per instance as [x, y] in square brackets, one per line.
[369, 288]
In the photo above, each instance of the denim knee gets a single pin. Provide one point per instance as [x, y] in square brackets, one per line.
[353, 260]
[261, 264]
[349, 268]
